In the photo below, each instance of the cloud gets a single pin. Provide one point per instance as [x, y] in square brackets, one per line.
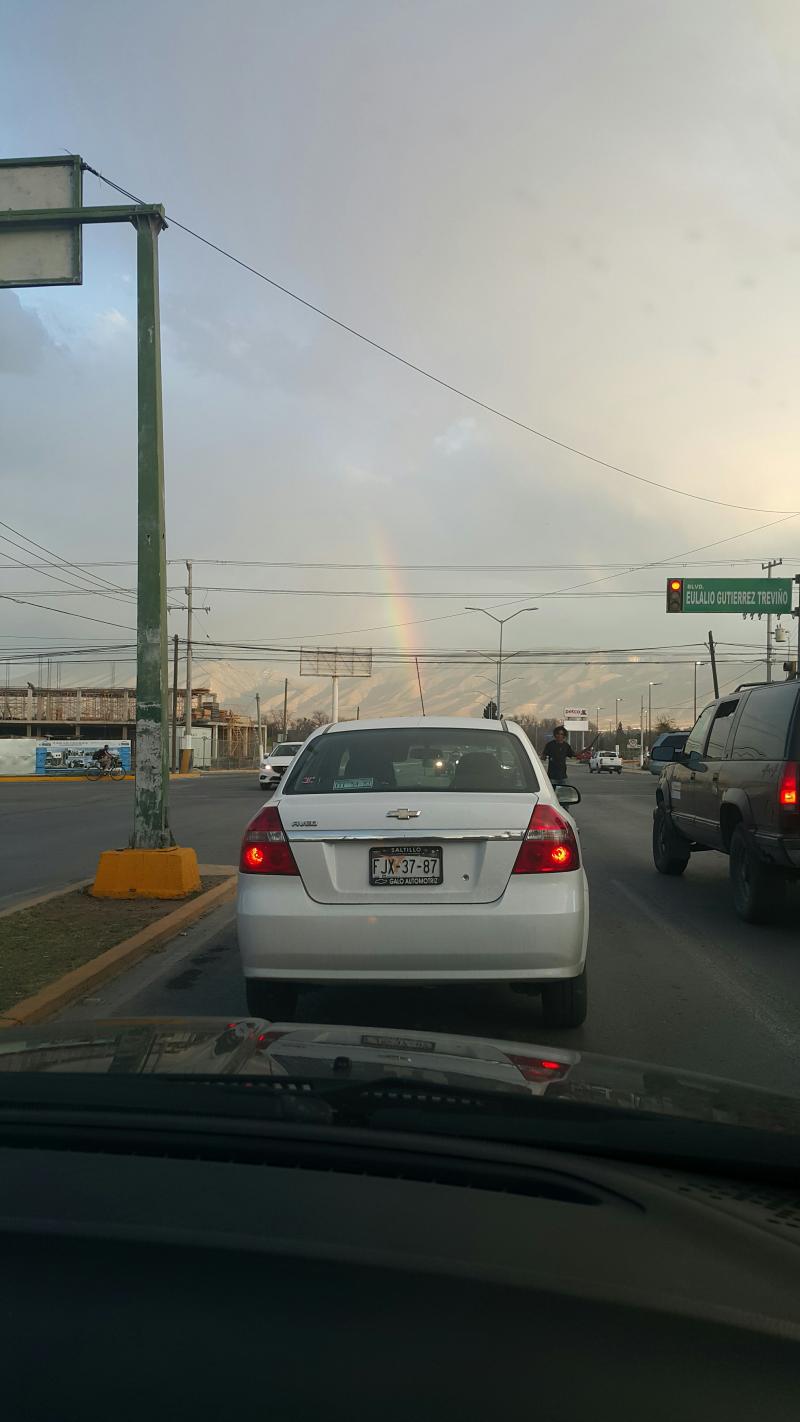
[24, 341]
[458, 436]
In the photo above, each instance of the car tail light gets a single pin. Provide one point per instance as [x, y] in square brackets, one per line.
[549, 846]
[540, 1068]
[265, 849]
[790, 784]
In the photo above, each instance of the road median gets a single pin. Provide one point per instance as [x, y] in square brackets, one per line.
[58, 947]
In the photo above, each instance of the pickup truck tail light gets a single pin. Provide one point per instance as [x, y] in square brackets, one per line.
[265, 848]
[549, 846]
[789, 791]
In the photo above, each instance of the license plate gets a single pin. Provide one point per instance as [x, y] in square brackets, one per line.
[405, 866]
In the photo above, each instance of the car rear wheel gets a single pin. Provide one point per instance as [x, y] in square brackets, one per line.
[277, 1001]
[759, 888]
[564, 1002]
[671, 853]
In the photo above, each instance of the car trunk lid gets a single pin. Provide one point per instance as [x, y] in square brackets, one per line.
[479, 835]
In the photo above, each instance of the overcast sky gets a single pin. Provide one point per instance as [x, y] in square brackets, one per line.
[587, 214]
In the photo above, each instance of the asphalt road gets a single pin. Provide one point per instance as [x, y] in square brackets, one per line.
[675, 977]
[53, 833]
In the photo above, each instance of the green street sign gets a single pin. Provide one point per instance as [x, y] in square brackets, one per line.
[746, 596]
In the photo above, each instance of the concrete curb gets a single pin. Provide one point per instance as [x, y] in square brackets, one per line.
[43, 898]
[64, 990]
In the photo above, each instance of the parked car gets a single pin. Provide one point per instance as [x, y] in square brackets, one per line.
[655, 760]
[601, 760]
[277, 762]
[366, 867]
[734, 787]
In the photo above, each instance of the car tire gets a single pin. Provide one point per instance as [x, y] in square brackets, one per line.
[266, 997]
[564, 1002]
[758, 888]
[671, 853]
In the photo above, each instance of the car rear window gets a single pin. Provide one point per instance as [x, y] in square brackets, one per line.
[765, 723]
[372, 762]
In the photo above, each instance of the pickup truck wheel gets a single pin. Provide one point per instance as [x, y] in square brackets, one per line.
[759, 888]
[564, 1002]
[671, 853]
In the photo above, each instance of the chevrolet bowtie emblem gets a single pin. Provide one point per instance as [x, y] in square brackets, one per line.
[402, 814]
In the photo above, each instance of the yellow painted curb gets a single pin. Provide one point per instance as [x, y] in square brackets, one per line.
[115, 960]
[62, 779]
[146, 874]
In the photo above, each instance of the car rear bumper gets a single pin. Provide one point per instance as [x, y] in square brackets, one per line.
[536, 931]
[780, 849]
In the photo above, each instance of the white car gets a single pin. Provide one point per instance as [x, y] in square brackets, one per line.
[274, 765]
[372, 864]
[601, 760]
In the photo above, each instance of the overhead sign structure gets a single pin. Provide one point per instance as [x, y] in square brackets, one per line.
[747, 597]
[576, 718]
[41, 221]
[46, 256]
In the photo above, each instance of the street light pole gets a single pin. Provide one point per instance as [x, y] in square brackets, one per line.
[501, 621]
[696, 665]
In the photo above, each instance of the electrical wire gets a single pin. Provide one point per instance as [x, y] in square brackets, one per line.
[438, 380]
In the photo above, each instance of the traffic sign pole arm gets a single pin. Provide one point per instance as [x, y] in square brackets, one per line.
[66, 216]
[150, 823]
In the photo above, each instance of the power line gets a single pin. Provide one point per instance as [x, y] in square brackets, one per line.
[63, 562]
[437, 380]
[60, 610]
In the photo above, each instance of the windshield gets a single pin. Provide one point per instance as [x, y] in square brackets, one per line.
[372, 762]
[492, 308]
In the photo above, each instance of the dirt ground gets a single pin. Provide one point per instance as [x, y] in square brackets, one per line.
[39, 944]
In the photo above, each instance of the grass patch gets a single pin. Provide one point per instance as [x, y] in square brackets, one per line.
[40, 944]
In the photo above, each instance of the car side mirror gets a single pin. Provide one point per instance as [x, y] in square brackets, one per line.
[567, 794]
[694, 760]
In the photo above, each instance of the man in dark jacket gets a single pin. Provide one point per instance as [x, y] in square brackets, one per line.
[555, 756]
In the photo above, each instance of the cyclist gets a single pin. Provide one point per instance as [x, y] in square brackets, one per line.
[103, 758]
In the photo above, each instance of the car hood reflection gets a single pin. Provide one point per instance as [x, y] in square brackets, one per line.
[324, 1053]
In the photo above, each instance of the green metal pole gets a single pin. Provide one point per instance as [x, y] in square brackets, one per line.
[150, 824]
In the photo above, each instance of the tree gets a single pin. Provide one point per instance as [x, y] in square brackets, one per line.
[664, 723]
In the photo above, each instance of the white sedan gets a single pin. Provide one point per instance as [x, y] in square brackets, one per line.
[274, 765]
[375, 864]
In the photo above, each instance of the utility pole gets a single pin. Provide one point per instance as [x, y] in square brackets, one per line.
[334, 699]
[419, 682]
[150, 822]
[175, 702]
[259, 748]
[767, 567]
[186, 749]
[713, 655]
[285, 703]
[641, 732]
[696, 665]
[650, 711]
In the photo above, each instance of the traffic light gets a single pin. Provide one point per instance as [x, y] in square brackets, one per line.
[490, 711]
[674, 594]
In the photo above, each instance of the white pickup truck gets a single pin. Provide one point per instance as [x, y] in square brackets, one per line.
[605, 760]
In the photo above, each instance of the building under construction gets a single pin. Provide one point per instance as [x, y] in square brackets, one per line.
[109, 713]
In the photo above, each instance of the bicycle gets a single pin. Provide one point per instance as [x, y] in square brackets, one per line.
[115, 771]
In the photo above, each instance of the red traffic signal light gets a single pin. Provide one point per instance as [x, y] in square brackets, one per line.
[674, 594]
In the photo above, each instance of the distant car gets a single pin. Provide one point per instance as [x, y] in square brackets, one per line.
[372, 864]
[277, 762]
[656, 759]
[601, 760]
